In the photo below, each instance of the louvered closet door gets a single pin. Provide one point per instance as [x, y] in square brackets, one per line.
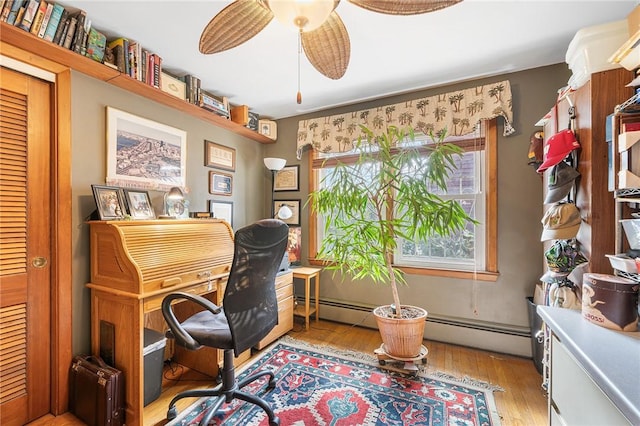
[25, 258]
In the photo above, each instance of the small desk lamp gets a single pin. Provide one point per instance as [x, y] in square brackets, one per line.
[174, 194]
[274, 164]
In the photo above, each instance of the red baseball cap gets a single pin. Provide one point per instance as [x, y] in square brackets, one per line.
[557, 148]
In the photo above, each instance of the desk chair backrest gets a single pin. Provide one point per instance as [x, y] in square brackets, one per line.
[250, 302]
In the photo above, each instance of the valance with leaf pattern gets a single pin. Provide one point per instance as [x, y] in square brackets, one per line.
[457, 113]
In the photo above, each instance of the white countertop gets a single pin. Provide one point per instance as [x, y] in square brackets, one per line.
[611, 358]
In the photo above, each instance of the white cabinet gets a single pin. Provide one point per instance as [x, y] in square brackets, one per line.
[575, 399]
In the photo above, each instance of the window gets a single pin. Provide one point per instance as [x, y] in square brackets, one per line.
[470, 251]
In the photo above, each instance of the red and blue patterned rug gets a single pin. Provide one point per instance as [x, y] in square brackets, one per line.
[325, 386]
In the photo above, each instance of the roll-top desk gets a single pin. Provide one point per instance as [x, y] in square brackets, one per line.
[134, 264]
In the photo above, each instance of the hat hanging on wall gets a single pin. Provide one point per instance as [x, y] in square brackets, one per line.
[535, 155]
[557, 148]
[561, 222]
[561, 179]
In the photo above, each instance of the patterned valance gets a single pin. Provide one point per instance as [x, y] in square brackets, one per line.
[456, 112]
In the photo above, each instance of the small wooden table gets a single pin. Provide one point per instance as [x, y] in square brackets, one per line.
[306, 274]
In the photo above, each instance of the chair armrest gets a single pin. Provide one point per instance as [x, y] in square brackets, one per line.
[174, 324]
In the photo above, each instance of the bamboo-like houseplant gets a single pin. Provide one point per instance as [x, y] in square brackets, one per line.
[360, 231]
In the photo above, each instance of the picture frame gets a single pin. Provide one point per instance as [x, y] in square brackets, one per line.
[142, 153]
[294, 205]
[139, 204]
[287, 179]
[222, 210]
[219, 156]
[109, 202]
[294, 245]
[268, 128]
[220, 183]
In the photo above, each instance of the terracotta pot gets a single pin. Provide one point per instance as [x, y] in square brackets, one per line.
[402, 337]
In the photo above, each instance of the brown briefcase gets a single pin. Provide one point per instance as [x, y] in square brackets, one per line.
[96, 391]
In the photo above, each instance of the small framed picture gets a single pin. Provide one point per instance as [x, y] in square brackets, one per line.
[219, 156]
[287, 179]
[293, 205]
[109, 202]
[220, 183]
[268, 128]
[139, 204]
[222, 210]
[294, 246]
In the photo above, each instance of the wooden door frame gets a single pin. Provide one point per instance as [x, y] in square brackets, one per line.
[61, 215]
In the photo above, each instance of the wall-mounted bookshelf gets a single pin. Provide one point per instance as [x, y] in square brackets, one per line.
[29, 42]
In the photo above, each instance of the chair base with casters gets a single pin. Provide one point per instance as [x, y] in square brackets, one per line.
[227, 391]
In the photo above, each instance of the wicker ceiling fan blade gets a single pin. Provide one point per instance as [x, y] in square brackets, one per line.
[407, 7]
[328, 47]
[233, 25]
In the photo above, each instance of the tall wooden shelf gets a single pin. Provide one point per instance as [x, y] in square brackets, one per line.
[26, 41]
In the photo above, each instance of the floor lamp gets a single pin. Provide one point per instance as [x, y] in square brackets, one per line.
[274, 164]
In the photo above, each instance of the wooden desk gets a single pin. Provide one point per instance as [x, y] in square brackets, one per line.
[134, 264]
[306, 274]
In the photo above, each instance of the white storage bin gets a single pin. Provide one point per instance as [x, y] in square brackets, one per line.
[623, 263]
[632, 232]
[591, 48]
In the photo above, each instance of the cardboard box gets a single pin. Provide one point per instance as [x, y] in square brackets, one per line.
[173, 86]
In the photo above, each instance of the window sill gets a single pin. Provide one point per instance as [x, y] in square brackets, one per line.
[447, 273]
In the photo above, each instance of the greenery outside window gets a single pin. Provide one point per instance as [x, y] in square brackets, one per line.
[471, 253]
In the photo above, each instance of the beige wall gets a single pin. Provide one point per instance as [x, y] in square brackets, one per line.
[90, 98]
[489, 305]
[484, 305]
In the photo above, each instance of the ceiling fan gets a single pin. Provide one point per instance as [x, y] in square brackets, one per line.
[322, 34]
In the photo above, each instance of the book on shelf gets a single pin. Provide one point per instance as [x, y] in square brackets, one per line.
[5, 9]
[193, 88]
[213, 103]
[29, 14]
[37, 20]
[117, 47]
[62, 27]
[96, 43]
[54, 21]
[45, 20]
[68, 36]
[78, 35]
[20, 14]
[13, 12]
[156, 71]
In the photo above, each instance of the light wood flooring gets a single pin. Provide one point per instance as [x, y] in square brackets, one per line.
[523, 402]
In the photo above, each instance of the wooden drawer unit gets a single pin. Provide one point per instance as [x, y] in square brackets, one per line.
[284, 292]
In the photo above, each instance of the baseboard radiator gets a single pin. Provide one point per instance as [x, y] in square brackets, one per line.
[495, 337]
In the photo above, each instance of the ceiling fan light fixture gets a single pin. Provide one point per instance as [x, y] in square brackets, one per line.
[305, 15]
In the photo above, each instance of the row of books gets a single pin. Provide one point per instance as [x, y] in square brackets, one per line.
[198, 96]
[54, 23]
[137, 62]
[73, 30]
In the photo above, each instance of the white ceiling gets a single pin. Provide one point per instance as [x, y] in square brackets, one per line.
[389, 54]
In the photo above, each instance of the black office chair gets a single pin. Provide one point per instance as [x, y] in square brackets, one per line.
[249, 313]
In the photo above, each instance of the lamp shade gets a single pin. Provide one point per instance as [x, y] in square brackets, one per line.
[306, 15]
[175, 193]
[274, 164]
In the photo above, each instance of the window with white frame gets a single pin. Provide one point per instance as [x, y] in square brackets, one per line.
[464, 251]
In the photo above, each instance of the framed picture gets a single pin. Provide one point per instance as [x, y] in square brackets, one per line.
[220, 183]
[219, 156]
[144, 154]
[294, 205]
[268, 128]
[139, 204]
[287, 179]
[222, 210]
[294, 246]
[109, 202]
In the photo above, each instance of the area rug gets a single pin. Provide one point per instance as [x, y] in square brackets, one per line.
[327, 386]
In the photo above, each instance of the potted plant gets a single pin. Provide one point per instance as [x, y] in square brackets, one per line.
[361, 234]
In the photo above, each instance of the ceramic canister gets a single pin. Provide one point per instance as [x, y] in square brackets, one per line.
[610, 301]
